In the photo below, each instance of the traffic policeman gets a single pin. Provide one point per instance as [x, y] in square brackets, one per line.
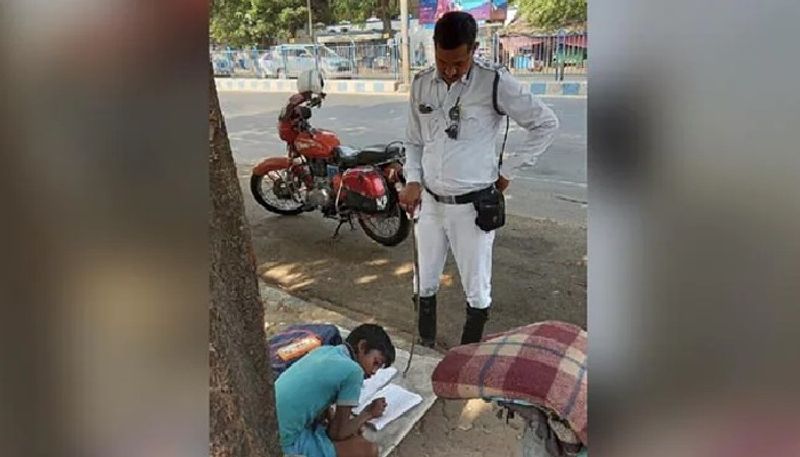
[454, 170]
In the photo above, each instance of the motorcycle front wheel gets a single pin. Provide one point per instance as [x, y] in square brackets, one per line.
[388, 229]
[269, 190]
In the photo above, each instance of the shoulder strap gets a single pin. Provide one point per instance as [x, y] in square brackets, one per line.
[494, 93]
[503, 149]
[500, 112]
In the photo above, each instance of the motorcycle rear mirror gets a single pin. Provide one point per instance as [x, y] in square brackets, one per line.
[310, 81]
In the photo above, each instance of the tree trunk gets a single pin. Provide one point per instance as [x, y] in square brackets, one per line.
[386, 16]
[242, 397]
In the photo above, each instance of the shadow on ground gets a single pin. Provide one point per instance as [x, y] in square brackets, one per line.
[539, 272]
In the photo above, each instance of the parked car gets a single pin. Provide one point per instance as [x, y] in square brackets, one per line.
[289, 60]
[223, 66]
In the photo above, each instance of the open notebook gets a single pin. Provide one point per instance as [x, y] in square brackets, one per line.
[374, 384]
[398, 401]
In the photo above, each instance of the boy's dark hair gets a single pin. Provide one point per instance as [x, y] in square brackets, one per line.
[375, 337]
[454, 29]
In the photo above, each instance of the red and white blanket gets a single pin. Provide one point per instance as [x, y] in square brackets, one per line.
[543, 364]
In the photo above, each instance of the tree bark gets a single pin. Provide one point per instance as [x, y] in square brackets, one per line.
[242, 397]
[386, 16]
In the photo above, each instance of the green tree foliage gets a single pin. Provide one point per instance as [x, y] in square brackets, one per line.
[264, 22]
[552, 14]
[261, 22]
[357, 11]
[354, 11]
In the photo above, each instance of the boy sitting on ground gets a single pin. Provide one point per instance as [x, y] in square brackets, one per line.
[328, 376]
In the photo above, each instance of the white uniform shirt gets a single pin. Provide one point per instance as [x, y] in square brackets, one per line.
[470, 162]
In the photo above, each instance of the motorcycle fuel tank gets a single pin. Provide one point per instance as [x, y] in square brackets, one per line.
[316, 145]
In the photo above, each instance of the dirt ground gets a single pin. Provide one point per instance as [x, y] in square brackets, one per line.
[539, 274]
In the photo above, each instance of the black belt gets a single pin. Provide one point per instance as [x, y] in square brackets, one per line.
[457, 199]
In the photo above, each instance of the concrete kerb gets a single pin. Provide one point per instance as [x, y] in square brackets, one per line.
[418, 379]
[332, 86]
[571, 89]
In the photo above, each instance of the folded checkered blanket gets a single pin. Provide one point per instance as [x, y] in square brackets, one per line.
[543, 364]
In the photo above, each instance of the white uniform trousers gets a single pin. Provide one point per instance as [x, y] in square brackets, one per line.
[441, 225]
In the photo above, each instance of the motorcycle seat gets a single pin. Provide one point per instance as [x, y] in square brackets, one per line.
[370, 155]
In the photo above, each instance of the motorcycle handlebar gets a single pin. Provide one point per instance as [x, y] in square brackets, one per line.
[316, 100]
[302, 112]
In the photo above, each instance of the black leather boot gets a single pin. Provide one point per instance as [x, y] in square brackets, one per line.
[427, 321]
[473, 326]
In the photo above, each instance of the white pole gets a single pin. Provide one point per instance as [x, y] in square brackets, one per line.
[310, 24]
[405, 44]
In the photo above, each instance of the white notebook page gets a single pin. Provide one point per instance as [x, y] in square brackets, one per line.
[398, 401]
[374, 384]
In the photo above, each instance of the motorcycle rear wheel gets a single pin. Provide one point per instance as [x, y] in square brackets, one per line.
[388, 229]
[264, 194]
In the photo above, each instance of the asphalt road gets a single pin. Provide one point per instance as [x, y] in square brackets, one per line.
[554, 189]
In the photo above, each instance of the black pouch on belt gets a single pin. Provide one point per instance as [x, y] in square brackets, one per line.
[491, 208]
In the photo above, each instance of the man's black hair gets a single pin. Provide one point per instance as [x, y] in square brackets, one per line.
[454, 29]
[375, 337]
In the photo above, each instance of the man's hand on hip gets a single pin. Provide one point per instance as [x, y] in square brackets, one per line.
[502, 184]
[410, 196]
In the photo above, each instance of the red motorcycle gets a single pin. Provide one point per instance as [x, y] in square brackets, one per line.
[319, 173]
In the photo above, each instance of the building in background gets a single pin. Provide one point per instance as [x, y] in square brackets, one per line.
[525, 48]
[482, 10]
